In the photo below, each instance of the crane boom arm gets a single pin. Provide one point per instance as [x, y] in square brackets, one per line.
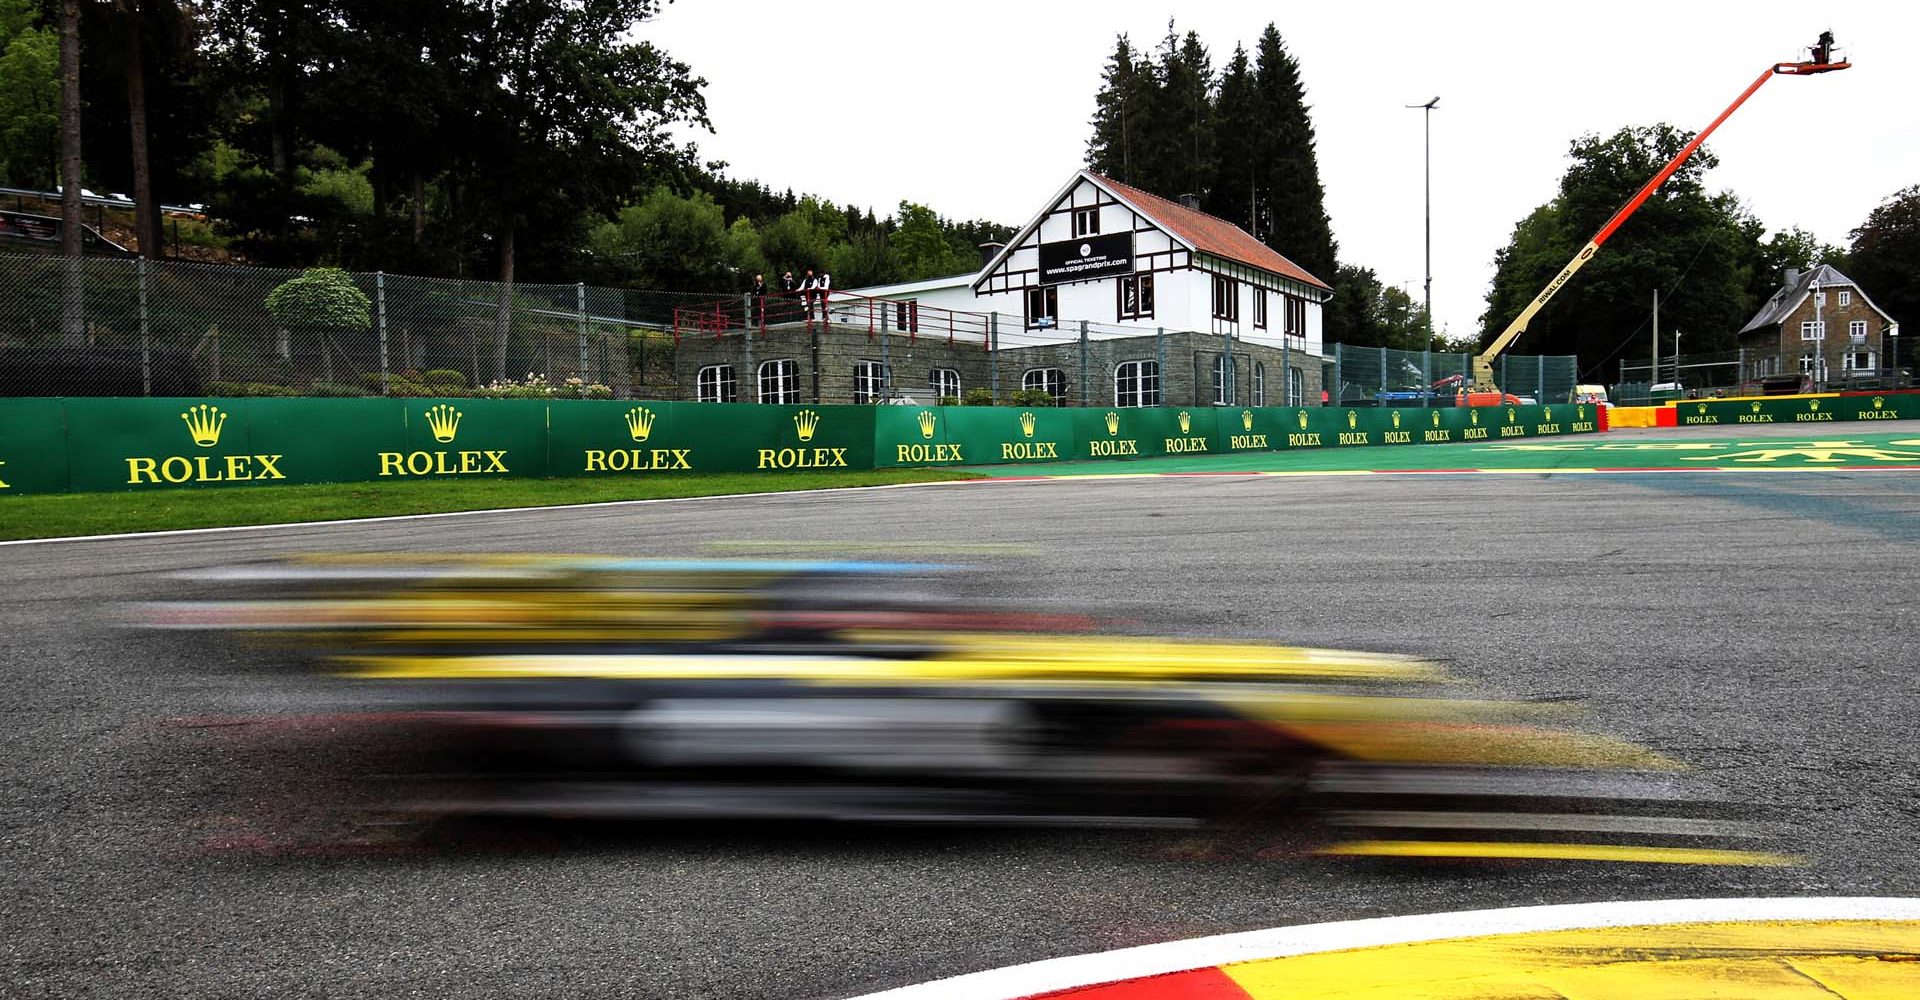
[1483, 362]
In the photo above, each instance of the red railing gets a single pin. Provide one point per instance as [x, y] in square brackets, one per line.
[831, 309]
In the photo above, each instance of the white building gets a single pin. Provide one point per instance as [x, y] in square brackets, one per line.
[1131, 263]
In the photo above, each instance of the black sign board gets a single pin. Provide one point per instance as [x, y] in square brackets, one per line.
[1086, 258]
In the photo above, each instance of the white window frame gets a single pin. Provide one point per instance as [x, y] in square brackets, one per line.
[1259, 383]
[1226, 298]
[906, 315]
[1846, 298]
[1052, 381]
[944, 382]
[1857, 328]
[1813, 329]
[1220, 362]
[1141, 384]
[1820, 299]
[784, 379]
[1296, 386]
[1259, 308]
[722, 387]
[870, 381]
[1086, 222]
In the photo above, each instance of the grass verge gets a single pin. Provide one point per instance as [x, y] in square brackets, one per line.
[66, 514]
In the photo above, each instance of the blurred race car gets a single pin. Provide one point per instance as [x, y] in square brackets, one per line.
[865, 691]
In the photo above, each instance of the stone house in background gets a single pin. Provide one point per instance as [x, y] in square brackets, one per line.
[1823, 325]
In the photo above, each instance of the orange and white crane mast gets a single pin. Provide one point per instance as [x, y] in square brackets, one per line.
[1823, 60]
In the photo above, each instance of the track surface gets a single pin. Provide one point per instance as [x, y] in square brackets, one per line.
[1758, 627]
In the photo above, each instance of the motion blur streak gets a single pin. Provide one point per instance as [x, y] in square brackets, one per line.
[577, 686]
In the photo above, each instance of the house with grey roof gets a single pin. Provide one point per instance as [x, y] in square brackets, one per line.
[1824, 323]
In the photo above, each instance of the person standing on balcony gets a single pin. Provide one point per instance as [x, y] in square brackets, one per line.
[759, 294]
[788, 288]
[808, 292]
[821, 285]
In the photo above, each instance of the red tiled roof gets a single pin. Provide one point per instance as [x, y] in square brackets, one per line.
[1209, 233]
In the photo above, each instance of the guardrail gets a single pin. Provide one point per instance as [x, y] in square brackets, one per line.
[832, 308]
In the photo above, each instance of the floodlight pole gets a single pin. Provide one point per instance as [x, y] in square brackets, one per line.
[1428, 108]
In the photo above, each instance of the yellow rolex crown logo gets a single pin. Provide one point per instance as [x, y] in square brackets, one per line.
[443, 420]
[1352, 420]
[1436, 418]
[1702, 408]
[1303, 420]
[1546, 413]
[1396, 418]
[926, 423]
[204, 423]
[804, 424]
[1755, 407]
[1473, 415]
[639, 423]
[1813, 404]
[1579, 413]
[1246, 420]
[1026, 423]
[1879, 401]
[1186, 421]
[1510, 414]
[1113, 423]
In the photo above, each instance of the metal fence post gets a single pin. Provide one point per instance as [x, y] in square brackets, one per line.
[1505, 384]
[146, 341]
[1286, 372]
[1426, 378]
[1083, 362]
[1339, 381]
[993, 356]
[580, 312]
[1540, 380]
[1159, 366]
[751, 372]
[1383, 370]
[886, 367]
[380, 313]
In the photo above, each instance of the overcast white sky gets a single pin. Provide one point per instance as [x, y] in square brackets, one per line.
[980, 109]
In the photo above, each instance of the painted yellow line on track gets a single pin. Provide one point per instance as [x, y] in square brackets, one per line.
[1557, 852]
[1765, 960]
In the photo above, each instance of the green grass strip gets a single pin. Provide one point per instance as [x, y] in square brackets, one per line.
[69, 514]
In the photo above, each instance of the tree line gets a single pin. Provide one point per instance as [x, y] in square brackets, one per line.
[529, 139]
[1241, 140]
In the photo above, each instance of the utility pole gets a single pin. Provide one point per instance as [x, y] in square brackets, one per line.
[1428, 109]
[1653, 378]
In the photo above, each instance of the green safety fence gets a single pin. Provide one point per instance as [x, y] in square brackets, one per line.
[51, 445]
[1798, 410]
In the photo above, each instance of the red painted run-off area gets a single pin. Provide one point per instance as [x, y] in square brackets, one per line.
[1198, 984]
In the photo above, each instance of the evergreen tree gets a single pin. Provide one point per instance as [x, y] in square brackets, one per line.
[1187, 98]
[1124, 90]
[1288, 170]
[1236, 125]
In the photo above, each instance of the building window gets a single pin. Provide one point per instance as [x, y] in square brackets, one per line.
[716, 384]
[869, 381]
[1136, 296]
[1846, 299]
[1820, 298]
[1226, 298]
[1259, 308]
[944, 382]
[1086, 221]
[1857, 331]
[1813, 329]
[906, 316]
[1259, 384]
[1136, 383]
[1296, 317]
[1810, 364]
[1043, 308]
[1296, 386]
[1857, 361]
[1220, 397]
[779, 381]
[1051, 381]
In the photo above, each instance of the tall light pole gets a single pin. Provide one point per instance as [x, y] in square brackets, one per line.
[1428, 108]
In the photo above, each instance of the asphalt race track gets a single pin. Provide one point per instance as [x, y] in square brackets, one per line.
[1759, 627]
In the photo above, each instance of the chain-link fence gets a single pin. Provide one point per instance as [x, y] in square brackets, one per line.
[180, 328]
[1753, 371]
[1381, 376]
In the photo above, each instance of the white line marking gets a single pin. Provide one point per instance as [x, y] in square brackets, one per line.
[462, 513]
[1079, 971]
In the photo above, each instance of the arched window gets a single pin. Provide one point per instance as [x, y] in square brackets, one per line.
[779, 381]
[716, 384]
[1296, 386]
[869, 381]
[1259, 383]
[1136, 383]
[944, 382]
[1051, 381]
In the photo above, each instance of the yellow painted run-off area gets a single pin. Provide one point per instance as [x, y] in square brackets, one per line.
[1768, 960]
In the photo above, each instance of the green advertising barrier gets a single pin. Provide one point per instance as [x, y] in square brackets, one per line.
[1800, 410]
[54, 445]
